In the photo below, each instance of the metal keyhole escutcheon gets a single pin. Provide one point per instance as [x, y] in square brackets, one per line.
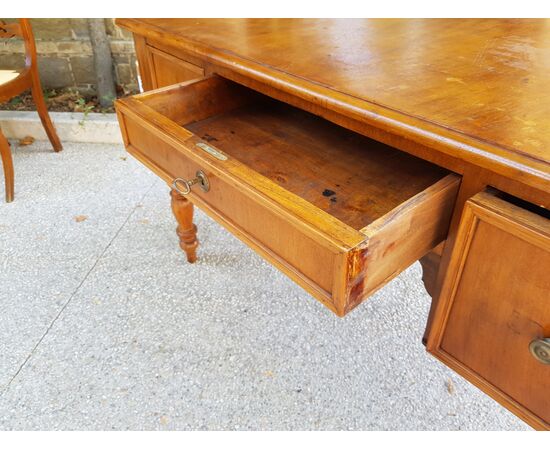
[184, 186]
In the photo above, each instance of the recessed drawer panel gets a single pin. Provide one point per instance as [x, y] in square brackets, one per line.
[337, 212]
[168, 70]
[492, 324]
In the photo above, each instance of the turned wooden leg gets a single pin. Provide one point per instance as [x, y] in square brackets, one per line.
[187, 231]
[38, 98]
[7, 163]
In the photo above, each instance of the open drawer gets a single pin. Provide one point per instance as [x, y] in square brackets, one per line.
[337, 212]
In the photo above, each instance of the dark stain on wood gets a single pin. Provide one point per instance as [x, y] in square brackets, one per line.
[208, 138]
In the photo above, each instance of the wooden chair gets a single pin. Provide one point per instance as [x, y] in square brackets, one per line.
[12, 83]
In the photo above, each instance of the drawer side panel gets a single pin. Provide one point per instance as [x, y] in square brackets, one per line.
[399, 238]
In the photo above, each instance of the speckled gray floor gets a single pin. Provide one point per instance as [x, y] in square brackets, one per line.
[104, 325]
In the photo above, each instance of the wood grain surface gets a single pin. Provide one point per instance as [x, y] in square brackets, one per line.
[476, 89]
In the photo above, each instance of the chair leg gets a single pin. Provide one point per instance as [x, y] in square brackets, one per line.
[45, 117]
[7, 163]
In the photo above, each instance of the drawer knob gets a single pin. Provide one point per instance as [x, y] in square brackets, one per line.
[540, 349]
[184, 186]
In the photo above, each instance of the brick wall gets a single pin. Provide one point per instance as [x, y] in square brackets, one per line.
[65, 57]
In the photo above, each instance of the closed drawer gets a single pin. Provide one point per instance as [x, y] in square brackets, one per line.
[492, 323]
[338, 213]
[167, 69]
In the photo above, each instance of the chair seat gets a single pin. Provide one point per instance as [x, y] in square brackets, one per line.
[8, 75]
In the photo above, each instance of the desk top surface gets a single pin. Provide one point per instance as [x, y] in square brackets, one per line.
[482, 86]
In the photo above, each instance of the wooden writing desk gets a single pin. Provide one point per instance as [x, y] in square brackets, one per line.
[344, 150]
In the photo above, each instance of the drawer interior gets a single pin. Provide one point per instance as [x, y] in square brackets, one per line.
[353, 178]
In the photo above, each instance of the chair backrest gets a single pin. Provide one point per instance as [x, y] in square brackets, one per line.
[23, 30]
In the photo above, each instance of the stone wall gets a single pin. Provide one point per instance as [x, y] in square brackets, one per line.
[65, 57]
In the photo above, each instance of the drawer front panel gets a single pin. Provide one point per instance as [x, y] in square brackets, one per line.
[168, 70]
[496, 302]
[303, 259]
